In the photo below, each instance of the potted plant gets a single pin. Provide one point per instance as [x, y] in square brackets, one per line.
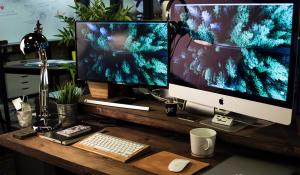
[67, 97]
[96, 11]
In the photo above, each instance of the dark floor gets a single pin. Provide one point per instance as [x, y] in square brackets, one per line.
[16, 164]
[7, 164]
[12, 163]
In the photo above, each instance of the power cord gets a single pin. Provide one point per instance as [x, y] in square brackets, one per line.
[157, 97]
[155, 94]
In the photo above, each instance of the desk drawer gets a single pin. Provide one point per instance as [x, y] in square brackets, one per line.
[21, 84]
[18, 78]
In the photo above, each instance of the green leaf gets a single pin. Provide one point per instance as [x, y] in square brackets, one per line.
[68, 93]
[97, 11]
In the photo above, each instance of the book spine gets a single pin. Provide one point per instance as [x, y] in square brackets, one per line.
[51, 139]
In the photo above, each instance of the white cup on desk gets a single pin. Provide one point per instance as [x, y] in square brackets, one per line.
[202, 142]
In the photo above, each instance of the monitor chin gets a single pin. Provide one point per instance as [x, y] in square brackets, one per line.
[242, 106]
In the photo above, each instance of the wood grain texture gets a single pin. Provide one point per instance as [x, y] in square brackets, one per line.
[67, 157]
[98, 90]
[84, 162]
[275, 138]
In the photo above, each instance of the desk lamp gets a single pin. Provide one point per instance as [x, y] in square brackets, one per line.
[37, 42]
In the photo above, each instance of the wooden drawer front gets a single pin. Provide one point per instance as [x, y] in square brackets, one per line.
[21, 84]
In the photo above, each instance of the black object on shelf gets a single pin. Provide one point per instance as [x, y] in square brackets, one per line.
[3, 93]
[148, 9]
[171, 108]
[2, 122]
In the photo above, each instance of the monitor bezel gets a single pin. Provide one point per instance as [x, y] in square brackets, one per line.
[294, 53]
[125, 84]
[257, 107]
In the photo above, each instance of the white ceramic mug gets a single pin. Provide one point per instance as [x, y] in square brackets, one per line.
[203, 142]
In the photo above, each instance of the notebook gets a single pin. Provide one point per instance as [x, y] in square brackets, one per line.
[68, 136]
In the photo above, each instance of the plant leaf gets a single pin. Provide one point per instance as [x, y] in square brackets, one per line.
[95, 12]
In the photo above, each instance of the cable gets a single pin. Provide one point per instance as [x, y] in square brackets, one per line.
[157, 97]
[181, 104]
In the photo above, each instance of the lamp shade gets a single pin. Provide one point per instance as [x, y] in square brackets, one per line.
[32, 42]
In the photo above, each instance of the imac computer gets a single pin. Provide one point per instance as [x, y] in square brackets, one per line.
[123, 54]
[238, 56]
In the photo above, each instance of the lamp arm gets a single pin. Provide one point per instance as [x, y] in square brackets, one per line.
[44, 84]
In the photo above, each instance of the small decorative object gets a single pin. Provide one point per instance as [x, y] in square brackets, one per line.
[37, 42]
[25, 115]
[171, 107]
[67, 99]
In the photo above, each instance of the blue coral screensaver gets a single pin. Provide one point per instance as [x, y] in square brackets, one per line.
[240, 48]
[132, 53]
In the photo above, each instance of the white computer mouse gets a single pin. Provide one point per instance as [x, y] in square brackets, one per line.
[178, 165]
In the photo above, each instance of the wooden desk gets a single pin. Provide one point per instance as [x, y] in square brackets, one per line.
[82, 162]
[275, 138]
[67, 157]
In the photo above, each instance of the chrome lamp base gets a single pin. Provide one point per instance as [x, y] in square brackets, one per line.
[46, 124]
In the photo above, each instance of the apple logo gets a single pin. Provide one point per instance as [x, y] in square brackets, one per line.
[221, 101]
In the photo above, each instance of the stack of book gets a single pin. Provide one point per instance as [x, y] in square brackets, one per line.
[67, 136]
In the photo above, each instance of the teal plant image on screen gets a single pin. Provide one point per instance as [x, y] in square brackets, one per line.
[243, 48]
[132, 53]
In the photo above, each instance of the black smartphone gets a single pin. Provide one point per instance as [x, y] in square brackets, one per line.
[24, 133]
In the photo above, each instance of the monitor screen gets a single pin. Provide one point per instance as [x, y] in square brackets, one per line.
[242, 50]
[130, 53]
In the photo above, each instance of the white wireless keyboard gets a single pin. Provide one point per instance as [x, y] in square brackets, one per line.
[110, 146]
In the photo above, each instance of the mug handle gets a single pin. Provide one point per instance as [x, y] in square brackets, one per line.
[209, 144]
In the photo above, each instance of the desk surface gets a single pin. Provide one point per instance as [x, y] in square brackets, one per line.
[83, 162]
[275, 138]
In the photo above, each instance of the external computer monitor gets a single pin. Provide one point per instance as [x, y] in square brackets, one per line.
[236, 56]
[129, 53]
